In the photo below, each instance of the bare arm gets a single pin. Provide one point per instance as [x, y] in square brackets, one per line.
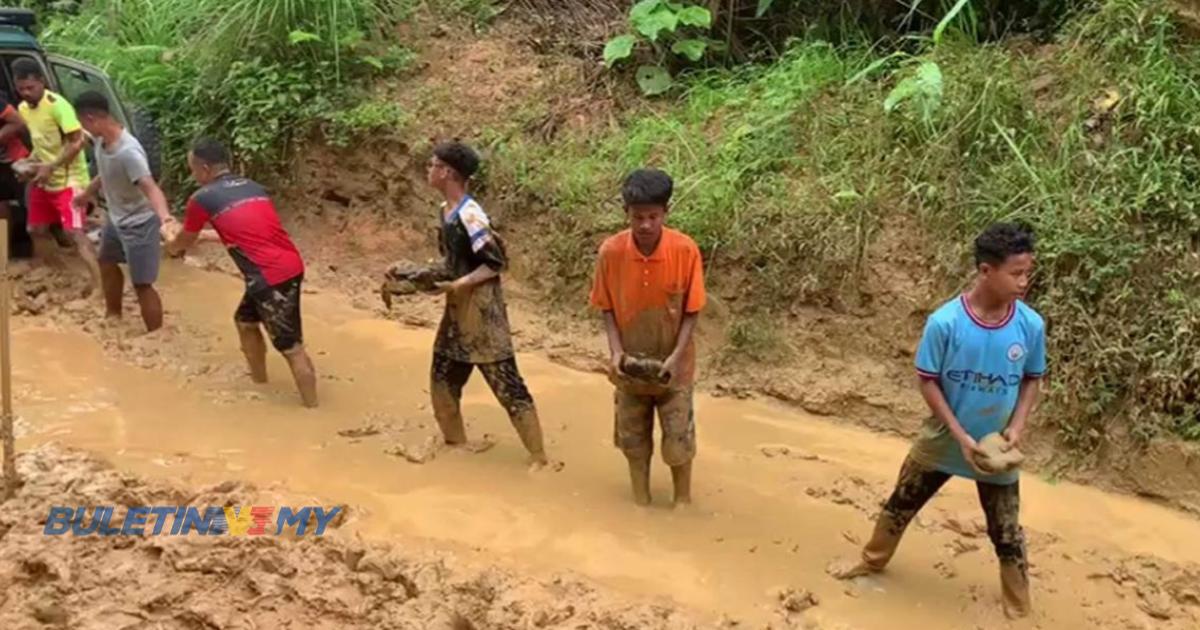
[481, 274]
[1027, 399]
[615, 347]
[90, 193]
[183, 241]
[158, 200]
[931, 391]
[685, 332]
[72, 145]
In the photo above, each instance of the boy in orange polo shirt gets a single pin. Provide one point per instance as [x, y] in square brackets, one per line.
[650, 285]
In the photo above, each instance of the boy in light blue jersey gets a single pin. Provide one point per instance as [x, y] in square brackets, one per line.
[979, 363]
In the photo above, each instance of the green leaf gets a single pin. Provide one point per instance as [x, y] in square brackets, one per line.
[695, 16]
[691, 48]
[374, 62]
[953, 13]
[653, 80]
[660, 20]
[618, 48]
[924, 87]
[763, 7]
[299, 37]
[642, 10]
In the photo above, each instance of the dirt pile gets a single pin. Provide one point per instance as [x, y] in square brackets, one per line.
[255, 582]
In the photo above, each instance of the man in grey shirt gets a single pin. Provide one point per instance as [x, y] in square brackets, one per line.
[137, 211]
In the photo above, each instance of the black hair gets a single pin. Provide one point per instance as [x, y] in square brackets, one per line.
[92, 102]
[458, 156]
[26, 68]
[211, 151]
[1001, 240]
[647, 186]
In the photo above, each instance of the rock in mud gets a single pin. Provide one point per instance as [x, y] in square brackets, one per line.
[784, 450]
[797, 600]
[367, 430]
[419, 454]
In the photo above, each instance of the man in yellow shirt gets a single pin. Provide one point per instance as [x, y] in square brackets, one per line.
[62, 168]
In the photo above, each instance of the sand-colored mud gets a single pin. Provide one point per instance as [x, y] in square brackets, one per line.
[780, 494]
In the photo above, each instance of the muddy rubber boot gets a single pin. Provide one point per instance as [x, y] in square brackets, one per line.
[529, 429]
[1014, 584]
[448, 415]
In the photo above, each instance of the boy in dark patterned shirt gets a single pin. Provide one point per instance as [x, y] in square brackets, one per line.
[474, 331]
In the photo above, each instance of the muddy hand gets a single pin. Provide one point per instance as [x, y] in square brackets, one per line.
[1013, 435]
[169, 229]
[970, 450]
[668, 368]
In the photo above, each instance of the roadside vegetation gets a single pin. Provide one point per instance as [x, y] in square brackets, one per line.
[786, 171]
[795, 130]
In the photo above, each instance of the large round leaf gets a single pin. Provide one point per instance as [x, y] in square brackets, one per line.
[653, 80]
[691, 48]
[618, 48]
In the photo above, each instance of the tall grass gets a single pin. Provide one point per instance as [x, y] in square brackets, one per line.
[259, 73]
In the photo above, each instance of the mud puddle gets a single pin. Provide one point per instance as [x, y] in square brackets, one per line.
[779, 494]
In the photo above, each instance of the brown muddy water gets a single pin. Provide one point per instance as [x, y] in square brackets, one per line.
[779, 494]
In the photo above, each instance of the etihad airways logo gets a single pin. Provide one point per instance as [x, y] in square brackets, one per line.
[983, 381]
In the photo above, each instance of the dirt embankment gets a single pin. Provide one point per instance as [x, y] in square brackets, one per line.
[354, 212]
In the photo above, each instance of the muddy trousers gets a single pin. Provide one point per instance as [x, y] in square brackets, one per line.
[447, 378]
[1001, 507]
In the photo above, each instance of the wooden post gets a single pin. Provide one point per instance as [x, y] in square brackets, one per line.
[6, 420]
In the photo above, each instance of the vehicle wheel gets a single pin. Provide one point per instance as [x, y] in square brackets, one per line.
[146, 131]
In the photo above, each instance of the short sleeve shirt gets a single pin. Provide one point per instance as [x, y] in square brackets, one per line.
[244, 217]
[49, 122]
[121, 166]
[474, 327]
[649, 296]
[979, 367]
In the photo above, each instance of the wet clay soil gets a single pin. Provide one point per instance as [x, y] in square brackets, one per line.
[779, 495]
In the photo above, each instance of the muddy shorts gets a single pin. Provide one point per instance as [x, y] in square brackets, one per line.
[138, 246]
[634, 428]
[278, 310]
[49, 207]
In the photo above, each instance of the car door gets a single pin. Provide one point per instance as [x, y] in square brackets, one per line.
[75, 78]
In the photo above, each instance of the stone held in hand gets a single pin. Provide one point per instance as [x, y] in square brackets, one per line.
[644, 369]
[405, 277]
[996, 456]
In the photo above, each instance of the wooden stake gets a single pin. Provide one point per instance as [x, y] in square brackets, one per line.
[6, 420]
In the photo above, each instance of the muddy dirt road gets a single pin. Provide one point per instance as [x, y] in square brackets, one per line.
[779, 494]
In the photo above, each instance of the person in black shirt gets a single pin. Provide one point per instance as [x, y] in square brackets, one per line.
[474, 331]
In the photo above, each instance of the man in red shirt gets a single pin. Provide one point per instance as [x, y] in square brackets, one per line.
[244, 217]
